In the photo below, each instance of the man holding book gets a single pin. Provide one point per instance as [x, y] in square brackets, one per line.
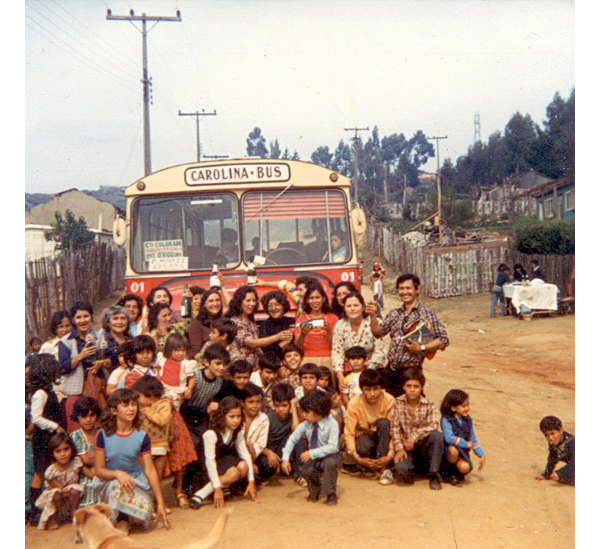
[415, 332]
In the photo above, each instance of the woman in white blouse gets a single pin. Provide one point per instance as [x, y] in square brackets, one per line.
[354, 329]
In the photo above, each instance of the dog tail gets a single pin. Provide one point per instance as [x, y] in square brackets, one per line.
[215, 534]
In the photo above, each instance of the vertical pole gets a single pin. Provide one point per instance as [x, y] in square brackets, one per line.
[146, 82]
[198, 146]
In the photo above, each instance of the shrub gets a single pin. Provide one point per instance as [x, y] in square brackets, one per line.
[554, 237]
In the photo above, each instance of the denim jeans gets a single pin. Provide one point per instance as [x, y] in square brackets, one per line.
[497, 295]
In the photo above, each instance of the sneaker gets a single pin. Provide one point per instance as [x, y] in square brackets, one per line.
[372, 475]
[313, 498]
[196, 502]
[350, 470]
[301, 481]
[408, 478]
[455, 481]
[387, 478]
[331, 500]
[434, 482]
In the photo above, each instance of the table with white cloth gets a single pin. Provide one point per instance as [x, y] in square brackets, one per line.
[537, 296]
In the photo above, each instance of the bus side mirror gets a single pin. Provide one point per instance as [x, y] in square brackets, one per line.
[119, 231]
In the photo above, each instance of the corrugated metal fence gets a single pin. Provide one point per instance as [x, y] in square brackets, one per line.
[465, 269]
[56, 284]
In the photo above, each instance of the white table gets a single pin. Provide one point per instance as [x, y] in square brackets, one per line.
[535, 296]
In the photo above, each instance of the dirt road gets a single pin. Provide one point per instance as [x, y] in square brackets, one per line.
[516, 372]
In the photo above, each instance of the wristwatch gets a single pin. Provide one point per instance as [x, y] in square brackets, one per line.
[422, 348]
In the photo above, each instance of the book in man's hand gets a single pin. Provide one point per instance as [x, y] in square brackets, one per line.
[420, 333]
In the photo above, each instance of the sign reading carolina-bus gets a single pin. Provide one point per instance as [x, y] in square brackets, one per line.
[238, 173]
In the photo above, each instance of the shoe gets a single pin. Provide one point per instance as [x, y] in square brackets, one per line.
[387, 478]
[331, 500]
[434, 482]
[313, 498]
[301, 481]
[372, 475]
[455, 481]
[350, 470]
[408, 478]
[196, 502]
[183, 501]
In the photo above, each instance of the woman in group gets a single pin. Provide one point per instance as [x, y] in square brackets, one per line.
[60, 326]
[157, 295]
[134, 305]
[275, 304]
[355, 329]
[115, 329]
[214, 304]
[248, 343]
[316, 342]
[160, 323]
[340, 291]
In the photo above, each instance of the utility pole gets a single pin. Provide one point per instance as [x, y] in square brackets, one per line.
[476, 129]
[145, 80]
[356, 139]
[439, 184]
[198, 115]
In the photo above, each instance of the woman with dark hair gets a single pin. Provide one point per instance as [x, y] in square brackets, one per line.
[134, 306]
[498, 291]
[355, 329]
[275, 304]
[60, 325]
[248, 343]
[213, 305]
[340, 291]
[160, 324]
[316, 341]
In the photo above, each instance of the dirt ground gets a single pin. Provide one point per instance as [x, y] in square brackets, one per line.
[516, 372]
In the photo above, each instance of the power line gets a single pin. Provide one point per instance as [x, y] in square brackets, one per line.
[198, 115]
[145, 80]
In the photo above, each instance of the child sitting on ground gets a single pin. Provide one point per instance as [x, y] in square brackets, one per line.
[357, 358]
[322, 458]
[268, 366]
[325, 377]
[283, 420]
[561, 447]
[291, 359]
[367, 429]
[62, 491]
[255, 423]
[309, 379]
[239, 372]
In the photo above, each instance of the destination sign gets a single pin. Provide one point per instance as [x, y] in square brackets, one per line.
[238, 173]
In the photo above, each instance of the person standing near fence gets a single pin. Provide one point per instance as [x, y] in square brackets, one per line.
[406, 353]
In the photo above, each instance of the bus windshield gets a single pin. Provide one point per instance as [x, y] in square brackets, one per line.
[296, 227]
[185, 232]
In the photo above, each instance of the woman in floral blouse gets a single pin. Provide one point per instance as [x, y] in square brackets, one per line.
[354, 328]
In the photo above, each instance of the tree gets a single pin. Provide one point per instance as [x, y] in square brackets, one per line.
[256, 144]
[275, 151]
[68, 233]
[322, 156]
[520, 137]
[342, 159]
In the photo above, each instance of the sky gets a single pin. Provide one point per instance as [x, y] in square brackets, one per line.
[302, 71]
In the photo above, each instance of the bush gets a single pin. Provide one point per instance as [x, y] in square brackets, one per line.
[555, 237]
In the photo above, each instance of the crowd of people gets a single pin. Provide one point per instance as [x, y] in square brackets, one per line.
[222, 404]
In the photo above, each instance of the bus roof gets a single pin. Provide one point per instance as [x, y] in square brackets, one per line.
[239, 174]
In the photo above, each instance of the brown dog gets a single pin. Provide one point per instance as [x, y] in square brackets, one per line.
[93, 528]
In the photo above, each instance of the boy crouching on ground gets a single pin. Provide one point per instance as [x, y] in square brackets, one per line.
[561, 447]
[367, 429]
[322, 459]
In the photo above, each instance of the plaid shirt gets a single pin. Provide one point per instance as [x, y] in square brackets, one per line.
[403, 425]
[395, 320]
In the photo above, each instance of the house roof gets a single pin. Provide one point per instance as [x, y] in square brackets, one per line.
[541, 190]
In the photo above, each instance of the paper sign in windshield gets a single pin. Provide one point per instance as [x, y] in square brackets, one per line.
[165, 255]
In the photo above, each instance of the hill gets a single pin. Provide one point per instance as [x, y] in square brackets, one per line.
[112, 195]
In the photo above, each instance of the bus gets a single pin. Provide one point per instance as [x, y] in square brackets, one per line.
[285, 214]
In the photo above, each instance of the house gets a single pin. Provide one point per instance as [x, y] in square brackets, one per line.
[555, 199]
[98, 215]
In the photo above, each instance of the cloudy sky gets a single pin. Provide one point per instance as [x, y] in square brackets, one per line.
[301, 70]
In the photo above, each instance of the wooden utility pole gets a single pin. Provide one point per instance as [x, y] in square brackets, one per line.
[356, 139]
[147, 82]
[439, 184]
[198, 115]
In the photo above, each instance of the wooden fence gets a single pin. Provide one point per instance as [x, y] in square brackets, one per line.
[463, 269]
[56, 284]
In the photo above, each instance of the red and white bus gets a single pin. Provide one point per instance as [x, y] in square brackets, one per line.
[183, 219]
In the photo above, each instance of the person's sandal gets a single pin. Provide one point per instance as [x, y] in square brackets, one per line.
[183, 501]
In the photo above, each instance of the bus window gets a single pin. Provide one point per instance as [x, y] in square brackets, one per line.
[297, 227]
[185, 232]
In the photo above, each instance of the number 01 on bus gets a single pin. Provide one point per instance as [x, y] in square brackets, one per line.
[294, 217]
